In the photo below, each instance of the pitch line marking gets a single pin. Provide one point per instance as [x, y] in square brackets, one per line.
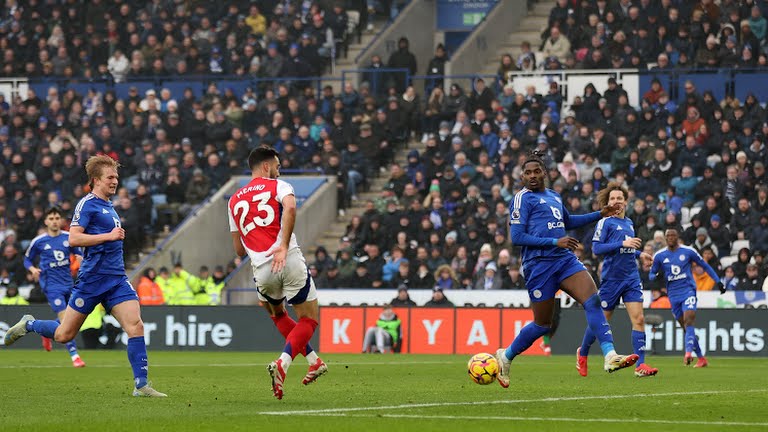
[330, 363]
[544, 419]
[501, 402]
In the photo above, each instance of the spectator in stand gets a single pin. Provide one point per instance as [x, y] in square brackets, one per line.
[556, 45]
[403, 299]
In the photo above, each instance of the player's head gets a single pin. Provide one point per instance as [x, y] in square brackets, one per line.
[534, 172]
[102, 175]
[672, 237]
[53, 220]
[264, 162]
[614, 193]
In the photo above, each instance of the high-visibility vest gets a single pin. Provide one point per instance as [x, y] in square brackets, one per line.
[95, 320]
[181, 291]
[16, 300]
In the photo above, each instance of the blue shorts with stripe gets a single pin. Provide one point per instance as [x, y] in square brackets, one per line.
[683, 302]
[611, 291]
[109, 290]
[543, 277]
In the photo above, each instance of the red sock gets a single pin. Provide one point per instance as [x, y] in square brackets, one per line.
[300, 336]
[285, 325]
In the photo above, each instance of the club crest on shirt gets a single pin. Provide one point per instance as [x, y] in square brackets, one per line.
[66, 243]
[682, 257]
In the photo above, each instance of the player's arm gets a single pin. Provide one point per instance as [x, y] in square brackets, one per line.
[707, 268]
[578, 221]
[518, 217]
[654, 268]
[287, 199]
[237, 244]
[599, 244]
[287, 223]
[29, 261]
[78, 237]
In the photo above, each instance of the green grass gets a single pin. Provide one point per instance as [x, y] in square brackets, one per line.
[231, 391]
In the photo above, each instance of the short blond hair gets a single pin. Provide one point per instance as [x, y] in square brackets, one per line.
[95, 165]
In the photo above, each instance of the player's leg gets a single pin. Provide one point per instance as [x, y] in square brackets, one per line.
[72, 347]
[546, 340]
[677, 312]
[582, 288]
[123, 304]
[299, 290]
[691, 340]
[60, 332]
[582, 352]
[307, 311]
[635, 312]
[285, 324]
[542, 287]
[128, 314]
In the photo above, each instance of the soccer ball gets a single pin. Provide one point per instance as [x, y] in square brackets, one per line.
[482, 368]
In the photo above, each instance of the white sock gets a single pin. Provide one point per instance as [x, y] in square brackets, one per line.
[312, 358]
[610, 354]
[75, 357]
[286, 361]
[504, 357]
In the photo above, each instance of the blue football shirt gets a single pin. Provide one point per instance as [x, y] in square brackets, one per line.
[676, 266]
[542, 215]
[97, 216]
[53, 253]
[619, 263]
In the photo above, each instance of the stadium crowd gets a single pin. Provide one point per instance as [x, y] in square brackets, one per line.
[172, 147]
[696, 163]
[665, 34]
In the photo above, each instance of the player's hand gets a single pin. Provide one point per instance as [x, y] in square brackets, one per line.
[634, 243]
[721, 287]
[35, 272]
[117, 233]
[611, 210]
[278, 261]
[567, 243]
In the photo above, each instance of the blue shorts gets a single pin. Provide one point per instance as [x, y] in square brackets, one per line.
[614, 290]
[681, 304]
[109, 290]
[58, 300]
[543, 277]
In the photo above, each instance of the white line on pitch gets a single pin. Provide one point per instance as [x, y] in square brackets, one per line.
[544, 419]
[504, 402]
[330, 363]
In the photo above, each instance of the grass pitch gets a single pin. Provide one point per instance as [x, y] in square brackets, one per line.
[40, 391]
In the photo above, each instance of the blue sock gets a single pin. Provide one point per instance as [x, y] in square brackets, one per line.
[690, 338]
[696, 347]
[525, 339]
[638, 345]
[72, 348]
[597, 323]
[45, 328]
[589, 339]
[137, 356]
[308, 349]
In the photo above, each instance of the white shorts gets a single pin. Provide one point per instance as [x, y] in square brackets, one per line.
[293, 283]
